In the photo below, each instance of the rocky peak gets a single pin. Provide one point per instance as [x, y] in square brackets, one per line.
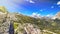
[58, 14]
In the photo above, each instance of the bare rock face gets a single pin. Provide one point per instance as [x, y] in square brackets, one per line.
[27, 28]
[56, 16]
[4, 25]
[5, 20]
[31, 30]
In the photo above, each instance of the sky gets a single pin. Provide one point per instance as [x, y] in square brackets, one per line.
[32, 7]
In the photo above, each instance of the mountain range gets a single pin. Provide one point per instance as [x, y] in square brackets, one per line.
[23, 24]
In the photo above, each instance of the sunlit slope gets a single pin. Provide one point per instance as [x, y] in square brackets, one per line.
[3, 9]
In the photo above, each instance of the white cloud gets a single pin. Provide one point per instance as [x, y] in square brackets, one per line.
[52, 6]
[35, 15]
[41, 10]
[53, 17]
[58, 3]
[31, 1]
[49, 15]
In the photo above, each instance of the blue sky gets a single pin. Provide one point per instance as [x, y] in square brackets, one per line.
[29, 7]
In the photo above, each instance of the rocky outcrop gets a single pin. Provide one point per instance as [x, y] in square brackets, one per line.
[5, 20]
[56, 16]
[4, 24]
[28, 29]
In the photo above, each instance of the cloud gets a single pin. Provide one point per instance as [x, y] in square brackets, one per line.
[41, 10]
[35, 15]
[52, 6]
[30, 1]
[49, 15]
[58, 3]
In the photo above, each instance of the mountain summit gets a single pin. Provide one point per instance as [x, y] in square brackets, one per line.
[56, 16]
